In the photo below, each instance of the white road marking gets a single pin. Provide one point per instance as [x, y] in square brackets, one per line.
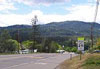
[15, 66]
[25, 64]
[41, 63]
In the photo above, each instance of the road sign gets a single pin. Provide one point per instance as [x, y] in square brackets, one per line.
[81, 43]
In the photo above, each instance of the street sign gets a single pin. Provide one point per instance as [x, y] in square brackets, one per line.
[81, 43]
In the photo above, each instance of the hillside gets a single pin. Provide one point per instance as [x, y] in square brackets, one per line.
[54, 29]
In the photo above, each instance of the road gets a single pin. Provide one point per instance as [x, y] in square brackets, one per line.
[32, 61]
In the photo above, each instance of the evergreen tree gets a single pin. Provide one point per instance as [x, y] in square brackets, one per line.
[4, 37]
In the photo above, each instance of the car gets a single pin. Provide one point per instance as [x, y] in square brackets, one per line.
[26, 51]
[96, 51]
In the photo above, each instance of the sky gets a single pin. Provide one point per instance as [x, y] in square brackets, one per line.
[14, 12]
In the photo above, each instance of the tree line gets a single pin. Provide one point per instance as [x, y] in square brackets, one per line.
[43, 44]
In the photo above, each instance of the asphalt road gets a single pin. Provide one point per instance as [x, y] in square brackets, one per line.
[32, 61]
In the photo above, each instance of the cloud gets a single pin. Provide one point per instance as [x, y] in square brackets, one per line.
[92, 1]
[12, 19]
[38, 2]
[6, 5]
[77, 12]
[83, 12]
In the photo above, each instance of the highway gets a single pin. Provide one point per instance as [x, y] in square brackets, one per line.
[32, 61]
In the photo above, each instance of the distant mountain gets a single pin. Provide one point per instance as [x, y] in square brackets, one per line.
[63, 29]
[70, 28]
[17, 26]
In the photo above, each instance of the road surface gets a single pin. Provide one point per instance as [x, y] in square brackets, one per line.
[32, 61]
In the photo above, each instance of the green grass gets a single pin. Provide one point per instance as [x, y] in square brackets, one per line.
[7, 53]
[88, 61]
[93, 62]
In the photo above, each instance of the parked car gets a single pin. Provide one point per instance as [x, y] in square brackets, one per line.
[96, 51]
[60, 51]
[26, 51]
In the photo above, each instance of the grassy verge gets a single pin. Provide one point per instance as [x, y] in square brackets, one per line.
[92, 62]
[89, 61]
[7, 53]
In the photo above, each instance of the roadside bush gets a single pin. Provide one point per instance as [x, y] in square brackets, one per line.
[71, 49]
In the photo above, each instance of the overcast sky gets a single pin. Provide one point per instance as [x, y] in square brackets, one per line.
[22, 11]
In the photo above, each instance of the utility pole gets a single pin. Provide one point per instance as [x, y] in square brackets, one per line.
[95, 16]
[34, 27]
[18, 41]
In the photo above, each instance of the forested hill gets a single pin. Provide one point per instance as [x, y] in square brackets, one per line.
[66, 28]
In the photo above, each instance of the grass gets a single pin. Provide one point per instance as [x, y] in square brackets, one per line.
[89, 61]
[7, 53]
[92, 62]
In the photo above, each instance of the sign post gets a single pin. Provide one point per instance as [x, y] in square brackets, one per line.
[80, 45]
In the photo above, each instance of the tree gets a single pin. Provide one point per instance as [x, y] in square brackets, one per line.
[27, 44]
[39, 47]
[74, 49]
[46, 45]
[4, 37]
[54, 46]
[6, 43]
[87, 45]
[12, 45]
[68, 49]
[98, 44]
[50, 46]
